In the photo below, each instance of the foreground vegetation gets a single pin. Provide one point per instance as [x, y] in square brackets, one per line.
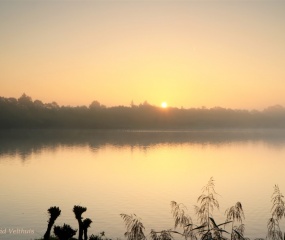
[206, 227]
[26, 113]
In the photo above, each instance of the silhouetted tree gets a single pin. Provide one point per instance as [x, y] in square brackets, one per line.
[54, 212]
[24, 113]
[78, 211]
[39, 104]
[52, 105]
[95, 105]
[25, 100]
[86, 224]
[12, 100]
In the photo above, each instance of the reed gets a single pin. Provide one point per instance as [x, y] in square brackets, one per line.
[235, 214]
[206, 229]
[278, 212]
[135, 228]
[208, 203]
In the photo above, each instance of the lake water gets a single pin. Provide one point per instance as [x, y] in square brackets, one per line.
[141, 172]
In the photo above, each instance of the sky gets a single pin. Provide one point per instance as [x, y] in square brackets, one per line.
[188, 53]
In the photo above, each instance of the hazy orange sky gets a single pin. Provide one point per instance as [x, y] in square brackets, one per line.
[187, 53]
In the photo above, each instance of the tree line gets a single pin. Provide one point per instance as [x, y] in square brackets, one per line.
[26, 113]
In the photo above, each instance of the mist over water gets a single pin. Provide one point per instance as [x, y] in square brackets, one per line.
[113, 172]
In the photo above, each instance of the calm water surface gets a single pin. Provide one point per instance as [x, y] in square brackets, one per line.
[113, 172]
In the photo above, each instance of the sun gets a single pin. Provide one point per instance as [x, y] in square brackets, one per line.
[164, 105]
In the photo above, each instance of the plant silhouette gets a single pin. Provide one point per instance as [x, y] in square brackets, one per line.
[207, 202]
[54, 212]
[135, 228]
[278, 211]
[78, 211]
[65, 232]
[163, 235]
[217, 231]
[274, 232]
[207, 229]
[278, 207]
[236, 214]
[98, 237]
[182, 219]
[86, 224]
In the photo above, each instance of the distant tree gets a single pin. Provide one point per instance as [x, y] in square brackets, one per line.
[95, 105]
[25, 100]
[133, 104]
[38, 103]
[12, 100]
[274, 109]
[52, 105]
[145, 103]
[24, 113]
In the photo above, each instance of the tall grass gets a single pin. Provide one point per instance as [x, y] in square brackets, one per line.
[235, 214]
[207, 228]
[135, 228]
[208, 203]
[278, 212]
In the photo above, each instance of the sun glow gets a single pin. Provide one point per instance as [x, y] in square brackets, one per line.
[164, 105]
